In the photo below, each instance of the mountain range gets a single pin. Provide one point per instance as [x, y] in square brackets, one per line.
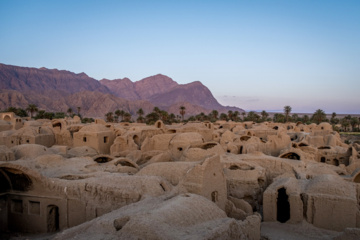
[57, 90]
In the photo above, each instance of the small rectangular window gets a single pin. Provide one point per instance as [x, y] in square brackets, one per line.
[84, 139]
[106, 139]
[16, 206]
[34, 207]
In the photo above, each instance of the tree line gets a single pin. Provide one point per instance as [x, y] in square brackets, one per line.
[157, 114]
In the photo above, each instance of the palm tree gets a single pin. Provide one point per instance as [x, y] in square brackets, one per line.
[278, 117]
[252, 116]
[109, 117]
[120, 113]
[127, 117]
[230, 115]
[236, 116]
[333, 119]
[215, 114]
[70, 111]
[353, 122]
[243, 114]
[295, 117]
[223, 116]
[287, 111]
[140, 112]
[344, 124]
[32, 108]
[182, 112]
[172, 117]
[306, 119]
[319, 116]
[264, 115]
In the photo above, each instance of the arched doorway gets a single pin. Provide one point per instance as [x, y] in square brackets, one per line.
[52, 218]
[283, 206]
[136, 140]
[357, 178]
[7, 118]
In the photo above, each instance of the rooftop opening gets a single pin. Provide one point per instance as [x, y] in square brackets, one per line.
[291, 155]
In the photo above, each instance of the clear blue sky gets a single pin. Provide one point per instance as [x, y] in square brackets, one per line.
[257, 55]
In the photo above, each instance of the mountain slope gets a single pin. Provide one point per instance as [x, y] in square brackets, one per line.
[143, 89]
[57, 90]
[41, 80]
[195, 93]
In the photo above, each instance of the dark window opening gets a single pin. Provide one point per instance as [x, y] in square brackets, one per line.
[208, 146]
[103, 159]
[214, 196]
[241, 149]
[336, 162]
[84, 139]
[180, 149]
[106, 139]
[291, 155]
[283, 206]
[322, 159]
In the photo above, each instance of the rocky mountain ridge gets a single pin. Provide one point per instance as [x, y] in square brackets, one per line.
[57, 90]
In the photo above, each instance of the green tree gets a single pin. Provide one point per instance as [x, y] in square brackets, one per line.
[164, 116]
[18, 111]
[243, 114]
[59, 115]
[319, 116]
[264, 115]
[78, 111]
[32, 108]
[140, 112]
[182, 112]
[230, 115]
[215, 114]
[278, 117]
[306, 119]
[127, 117]
[236, 116]
[353, 122]
[109, 117]
[287, 111]
[295, 117]
[151, 118]
[49, 115]
[40, 114]
[344, 124]
[70, 112]
[223, 116]
[120, 113]
[252, 116]
[333, 119]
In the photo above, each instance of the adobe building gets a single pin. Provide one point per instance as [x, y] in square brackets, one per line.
[195, 180]
[96, 136]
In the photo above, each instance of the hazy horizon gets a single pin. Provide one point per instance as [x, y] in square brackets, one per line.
[257, 55]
